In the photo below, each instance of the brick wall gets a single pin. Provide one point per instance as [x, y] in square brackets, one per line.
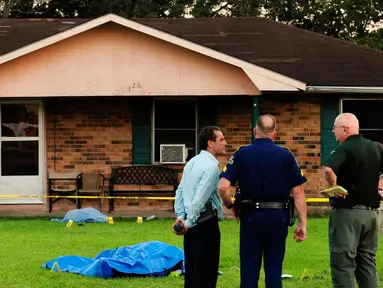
[89, 135]
[234, 118]
[298, 128]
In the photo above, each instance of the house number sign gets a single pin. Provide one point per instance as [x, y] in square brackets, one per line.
[135, 85]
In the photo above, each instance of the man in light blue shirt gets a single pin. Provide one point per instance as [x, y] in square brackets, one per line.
[198, 208]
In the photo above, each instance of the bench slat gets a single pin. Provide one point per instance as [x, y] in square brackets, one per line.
[145, 175]
[63, 175]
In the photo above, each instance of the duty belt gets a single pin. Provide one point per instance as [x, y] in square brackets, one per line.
[266, 205]
[245, 207]
[358, 207]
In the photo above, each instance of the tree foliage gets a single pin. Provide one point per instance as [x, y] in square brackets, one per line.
[93, 8]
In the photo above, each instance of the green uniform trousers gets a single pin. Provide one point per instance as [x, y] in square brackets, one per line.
[353, 241]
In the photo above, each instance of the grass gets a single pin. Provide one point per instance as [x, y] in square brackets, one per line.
[26, 244]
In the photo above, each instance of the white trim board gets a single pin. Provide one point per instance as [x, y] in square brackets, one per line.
[275, 81]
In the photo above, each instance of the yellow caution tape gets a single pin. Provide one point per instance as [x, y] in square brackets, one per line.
[89, 197]
[312, 200]
[317, 200]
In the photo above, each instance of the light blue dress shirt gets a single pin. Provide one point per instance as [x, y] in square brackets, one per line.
[198, 185]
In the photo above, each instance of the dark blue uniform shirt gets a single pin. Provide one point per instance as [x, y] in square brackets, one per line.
[264, 171]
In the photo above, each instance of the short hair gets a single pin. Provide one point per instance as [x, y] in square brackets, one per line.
[265, 126]
[207, 134]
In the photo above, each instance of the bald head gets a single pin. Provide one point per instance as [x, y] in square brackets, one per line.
[349, 121]
[265, 125]
[345, 125]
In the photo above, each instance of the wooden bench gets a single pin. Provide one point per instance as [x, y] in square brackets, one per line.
[53, 189]
[136, 175]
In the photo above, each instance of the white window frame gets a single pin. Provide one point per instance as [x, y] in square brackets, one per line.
[41, 150]
[154, 125]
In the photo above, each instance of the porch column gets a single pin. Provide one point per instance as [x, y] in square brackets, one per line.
[255, 112]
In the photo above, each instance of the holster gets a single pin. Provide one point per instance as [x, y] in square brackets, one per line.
[291, 208]
[207, 214]
[237, 203]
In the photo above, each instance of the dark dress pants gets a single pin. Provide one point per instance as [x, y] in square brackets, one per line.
[201, 249]
[263, 235]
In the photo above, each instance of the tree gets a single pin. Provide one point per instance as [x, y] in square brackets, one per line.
[372, 40]
[93, 8]
[19, 8]
[6, 6]
[345, 19]
[139, 8]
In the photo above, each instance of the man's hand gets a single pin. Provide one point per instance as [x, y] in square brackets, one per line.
[300, 233]
[180, 222]
[234, 214]
[340, 195]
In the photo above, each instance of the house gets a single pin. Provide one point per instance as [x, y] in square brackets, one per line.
[89, 95]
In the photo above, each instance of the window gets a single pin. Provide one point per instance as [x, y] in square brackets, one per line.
[174, 122]
[19, 139]
[369, 113]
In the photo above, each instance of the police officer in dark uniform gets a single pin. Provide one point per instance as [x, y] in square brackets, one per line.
[355, 165]
[266, 174]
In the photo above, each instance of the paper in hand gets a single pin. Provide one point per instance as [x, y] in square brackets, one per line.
[331, 192]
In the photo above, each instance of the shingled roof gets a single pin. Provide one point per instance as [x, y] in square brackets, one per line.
[312, 58]
[17, 33]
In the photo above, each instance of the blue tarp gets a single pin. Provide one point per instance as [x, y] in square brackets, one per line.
[84, 215]
[152, 258]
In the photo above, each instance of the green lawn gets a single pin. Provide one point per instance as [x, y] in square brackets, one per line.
[26, 244]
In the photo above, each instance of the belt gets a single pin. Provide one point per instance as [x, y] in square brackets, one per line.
[270, 205]
[363, 207]
[358, 207]
[206, 215]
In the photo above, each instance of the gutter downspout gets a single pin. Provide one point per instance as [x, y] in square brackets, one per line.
[255, 113]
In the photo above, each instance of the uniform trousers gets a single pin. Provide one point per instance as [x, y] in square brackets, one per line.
[263, 235]
[201, 251]
[353, 241]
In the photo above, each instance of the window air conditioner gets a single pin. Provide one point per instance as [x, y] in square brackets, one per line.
[172, 153]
